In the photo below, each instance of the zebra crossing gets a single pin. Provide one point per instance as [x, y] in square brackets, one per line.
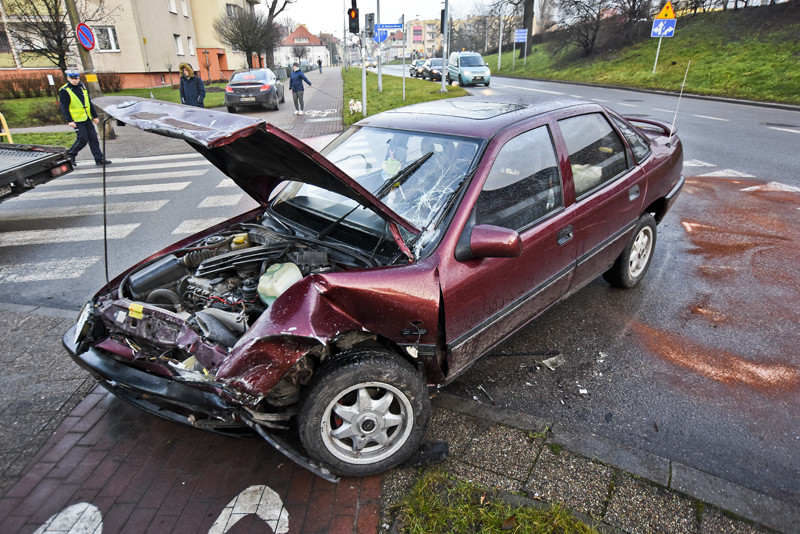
[143, 197]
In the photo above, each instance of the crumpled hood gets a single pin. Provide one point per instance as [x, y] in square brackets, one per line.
[253, 153]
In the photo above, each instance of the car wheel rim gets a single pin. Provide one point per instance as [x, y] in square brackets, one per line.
[640, 252]
[367, 423]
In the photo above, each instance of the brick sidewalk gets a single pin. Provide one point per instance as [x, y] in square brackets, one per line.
[145, 474]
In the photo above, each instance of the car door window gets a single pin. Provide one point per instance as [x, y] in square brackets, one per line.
[523, 184]
[636, 141]
[596, 152]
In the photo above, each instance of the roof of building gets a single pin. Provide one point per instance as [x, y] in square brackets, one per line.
[306, 38]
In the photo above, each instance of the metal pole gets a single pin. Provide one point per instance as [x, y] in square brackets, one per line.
[500, 43]
[403, 24]
[444, 45]
[380, 48]
[363, 73]
[88, 66]
[657, 51]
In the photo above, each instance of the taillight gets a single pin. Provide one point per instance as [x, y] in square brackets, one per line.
[264, 87]
[58, 171]
[228, 89]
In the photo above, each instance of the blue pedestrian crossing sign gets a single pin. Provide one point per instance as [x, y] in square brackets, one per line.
[663, 28]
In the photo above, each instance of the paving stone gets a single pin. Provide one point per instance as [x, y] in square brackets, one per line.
[579, 483]
[484, 478]
[455, 428]
[503, 449]
[639, 507]
[714, 521]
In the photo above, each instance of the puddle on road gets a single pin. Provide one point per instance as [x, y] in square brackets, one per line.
[746, 235]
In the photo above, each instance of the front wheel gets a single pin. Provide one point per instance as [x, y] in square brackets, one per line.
[231, 109]
[363, 413]
[632, 264]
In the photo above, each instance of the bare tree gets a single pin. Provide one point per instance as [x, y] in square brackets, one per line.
[273, 8]
[299, 52]
[42, 27]
[582, 20]
[247, 31]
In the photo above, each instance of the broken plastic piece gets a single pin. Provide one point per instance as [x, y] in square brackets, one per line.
[555, 361]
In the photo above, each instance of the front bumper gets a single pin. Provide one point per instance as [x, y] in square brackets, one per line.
[165, 397]
[180, 402]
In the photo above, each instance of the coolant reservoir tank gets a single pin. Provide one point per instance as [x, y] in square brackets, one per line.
[278, 278]
[240, 241]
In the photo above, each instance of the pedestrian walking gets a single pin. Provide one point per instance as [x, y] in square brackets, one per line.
[81, 115]
[192, 90]
[296, 87]
[319, 62]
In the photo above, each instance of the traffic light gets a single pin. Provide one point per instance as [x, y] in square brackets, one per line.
[352, 17]
[369, 24]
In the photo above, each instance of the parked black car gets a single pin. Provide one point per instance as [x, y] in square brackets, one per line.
[415, 69]
[253, 87]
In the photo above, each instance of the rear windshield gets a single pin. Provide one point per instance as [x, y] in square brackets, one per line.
[249, 76]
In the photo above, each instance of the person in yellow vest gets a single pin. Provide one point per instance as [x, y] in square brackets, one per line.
[79, 112]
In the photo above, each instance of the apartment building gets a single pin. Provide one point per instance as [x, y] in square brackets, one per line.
[144, 41]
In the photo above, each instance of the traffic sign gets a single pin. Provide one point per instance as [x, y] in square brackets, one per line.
[85, 36]
[380, 35]
[663, 28]
[388, 26]
[666, 12]
[521, 36]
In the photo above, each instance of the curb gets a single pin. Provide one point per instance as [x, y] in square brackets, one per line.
[672, 476]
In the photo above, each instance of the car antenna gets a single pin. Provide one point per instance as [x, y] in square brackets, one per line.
[671, 128]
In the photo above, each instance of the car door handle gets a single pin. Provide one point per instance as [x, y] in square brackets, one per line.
[565, 235]
[633, 192]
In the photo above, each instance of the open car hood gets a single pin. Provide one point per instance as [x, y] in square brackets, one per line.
[253, 153]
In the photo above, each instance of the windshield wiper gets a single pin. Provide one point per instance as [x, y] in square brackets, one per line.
[382, 191]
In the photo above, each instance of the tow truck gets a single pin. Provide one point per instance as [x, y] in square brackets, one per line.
[23, 167]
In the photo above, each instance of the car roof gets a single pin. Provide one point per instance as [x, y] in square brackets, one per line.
[480, 117]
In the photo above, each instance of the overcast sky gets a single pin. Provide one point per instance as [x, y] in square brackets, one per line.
[329, 15]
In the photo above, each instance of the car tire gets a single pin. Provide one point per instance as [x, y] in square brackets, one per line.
[633, 263]
[348, 396]
[283, 97]
[231, 109]
[460, 81]
[486, 84]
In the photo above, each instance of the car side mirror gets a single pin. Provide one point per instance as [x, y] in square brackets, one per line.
[488, 241]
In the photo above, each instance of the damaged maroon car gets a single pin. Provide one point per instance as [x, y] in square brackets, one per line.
[375, 270]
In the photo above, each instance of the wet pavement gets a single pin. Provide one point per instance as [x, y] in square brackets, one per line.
[75, 456]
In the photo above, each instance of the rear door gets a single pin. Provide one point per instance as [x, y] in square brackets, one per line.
[609, 190]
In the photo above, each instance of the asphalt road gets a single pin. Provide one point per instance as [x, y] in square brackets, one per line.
[698, 364]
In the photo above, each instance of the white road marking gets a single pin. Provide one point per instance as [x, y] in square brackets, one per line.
[259, 500]
[664, 110]
[227, 182]
[529, 89]
[64, 235]
[220, 200]
[81, 518]
[725, 173]
[697, 163]
[710, 118]
[145, 167]
[126, 178]
[81, 211]
[790, 130]
[98, 191]
[772, 186]
[67, 269]
[627, 105]
[190, 226]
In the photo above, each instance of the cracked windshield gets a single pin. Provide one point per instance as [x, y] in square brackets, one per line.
[413, 174]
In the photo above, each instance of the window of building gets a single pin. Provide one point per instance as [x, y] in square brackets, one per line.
[185, 8]
[106, 38]
[232, 10]
[171, 6]
[524, 184]
[300, 40]
[596, 152]
[190, 45]
[5, 45]
[178, 44]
